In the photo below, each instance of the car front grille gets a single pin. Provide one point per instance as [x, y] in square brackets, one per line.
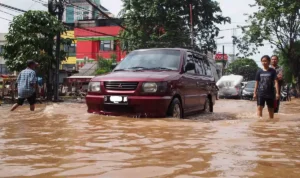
[121, 85]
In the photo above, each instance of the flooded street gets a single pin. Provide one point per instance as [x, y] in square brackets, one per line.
[62, 140]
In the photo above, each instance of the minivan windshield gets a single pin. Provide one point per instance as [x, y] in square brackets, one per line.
[250, 85]
[162, 59]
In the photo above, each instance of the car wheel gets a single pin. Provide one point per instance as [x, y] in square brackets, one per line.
[175, 109]
[208, 106]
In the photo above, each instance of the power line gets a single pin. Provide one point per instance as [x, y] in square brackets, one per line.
[230, 43]
[5, 19]
[234, 28]
[10, 7]
[68, 3]
[7, 13]
[39, 1]
[96, 32]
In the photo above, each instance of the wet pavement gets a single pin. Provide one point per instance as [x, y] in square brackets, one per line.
[62, 140]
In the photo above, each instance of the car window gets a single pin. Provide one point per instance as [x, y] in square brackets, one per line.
[207, 68]
[202, 65]
[200, 69]
[190, 59]
[250, 85]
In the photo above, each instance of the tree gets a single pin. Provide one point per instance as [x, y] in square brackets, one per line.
[276, 21]
[32, 36]
[104, 65]
[244, 67]
[166, 23]
[284, 62]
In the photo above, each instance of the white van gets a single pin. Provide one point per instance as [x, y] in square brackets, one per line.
[230, 86]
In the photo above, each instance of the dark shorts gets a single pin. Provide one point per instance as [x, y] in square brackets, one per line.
[261, 101]
[31, 100]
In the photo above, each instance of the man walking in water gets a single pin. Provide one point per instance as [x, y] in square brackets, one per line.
[279, 72]
[26, 86]
[265, 80]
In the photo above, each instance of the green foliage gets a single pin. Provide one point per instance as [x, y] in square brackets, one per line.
[113, 57]
[243, 66]
[31, 36]
[277, 22]
[165, 23]
[288, 74]
[104, 65]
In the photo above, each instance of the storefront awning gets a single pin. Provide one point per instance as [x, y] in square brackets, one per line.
[96, 38]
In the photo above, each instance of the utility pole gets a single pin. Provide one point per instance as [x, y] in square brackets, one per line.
[191, 19]
[57, 53]
[233, 44]
[223, 60]
[56, 7]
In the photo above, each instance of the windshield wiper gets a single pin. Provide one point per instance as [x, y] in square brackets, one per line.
[119, 70]
[138, 67]
[161, 68]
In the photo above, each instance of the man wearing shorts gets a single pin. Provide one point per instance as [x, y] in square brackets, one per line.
[26, 86]
[266, 78]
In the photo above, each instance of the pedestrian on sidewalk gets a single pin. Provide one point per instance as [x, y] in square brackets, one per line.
[279, 73]
[264, 92]
[26, 84]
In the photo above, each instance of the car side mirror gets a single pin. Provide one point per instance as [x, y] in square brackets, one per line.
[114, 65]
[189, 66]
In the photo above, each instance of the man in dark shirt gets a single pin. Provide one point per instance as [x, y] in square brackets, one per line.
[279, 72]
[266, 78]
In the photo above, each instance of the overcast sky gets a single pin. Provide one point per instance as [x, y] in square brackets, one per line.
[235, 9]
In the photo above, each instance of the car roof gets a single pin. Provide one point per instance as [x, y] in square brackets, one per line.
[150, 49]
[180, 49]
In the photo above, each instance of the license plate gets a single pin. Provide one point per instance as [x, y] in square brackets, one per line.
[115, 99]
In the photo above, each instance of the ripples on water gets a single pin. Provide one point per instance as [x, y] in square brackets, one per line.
[63, 140]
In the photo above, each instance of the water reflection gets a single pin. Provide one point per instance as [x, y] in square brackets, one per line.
[62, 140]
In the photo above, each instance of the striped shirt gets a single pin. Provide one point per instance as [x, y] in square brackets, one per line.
[26, 81]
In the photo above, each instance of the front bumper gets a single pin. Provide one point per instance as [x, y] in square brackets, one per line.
[138, 106]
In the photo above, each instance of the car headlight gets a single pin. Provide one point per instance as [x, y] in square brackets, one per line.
[94, 87]
[149, 87]
[154, 87]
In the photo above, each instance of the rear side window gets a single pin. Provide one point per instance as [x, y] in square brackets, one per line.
[200, 69]
[207, 68]
[250, 85]
[189, 59]
[202, 65]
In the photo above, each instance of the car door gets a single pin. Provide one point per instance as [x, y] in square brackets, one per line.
[210, 80]
[189, 86]
[201, 79]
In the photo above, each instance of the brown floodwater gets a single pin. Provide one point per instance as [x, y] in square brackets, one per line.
[62, 140]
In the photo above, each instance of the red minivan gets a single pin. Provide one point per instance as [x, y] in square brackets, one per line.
[155, 83]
